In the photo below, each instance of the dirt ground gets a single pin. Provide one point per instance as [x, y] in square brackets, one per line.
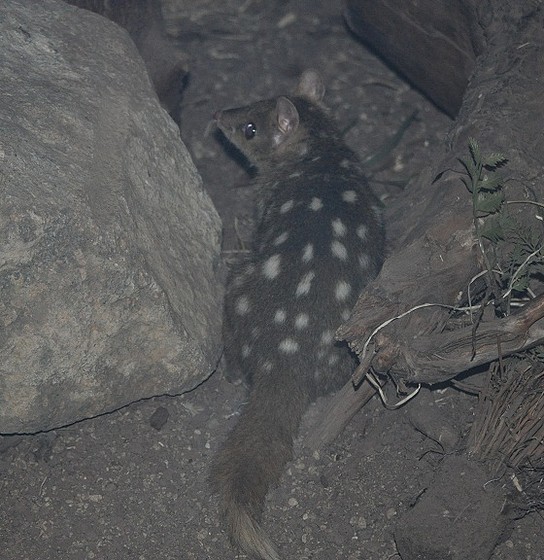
[132, 484]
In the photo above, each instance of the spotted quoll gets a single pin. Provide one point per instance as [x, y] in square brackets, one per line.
[318, 242]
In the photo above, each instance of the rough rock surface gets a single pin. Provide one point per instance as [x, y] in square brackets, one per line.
[166, 64]
[457, 517]
[109, 266]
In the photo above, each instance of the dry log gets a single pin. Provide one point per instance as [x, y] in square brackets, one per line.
[434, 251]
[340, 410]
[434, 43]
[439, 357]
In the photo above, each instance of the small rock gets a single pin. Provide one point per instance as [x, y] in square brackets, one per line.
[159, 418]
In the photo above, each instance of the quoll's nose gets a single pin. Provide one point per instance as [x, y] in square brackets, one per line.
[217, 115]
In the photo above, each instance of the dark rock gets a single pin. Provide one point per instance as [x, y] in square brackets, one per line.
[159, 418]
[457, 518]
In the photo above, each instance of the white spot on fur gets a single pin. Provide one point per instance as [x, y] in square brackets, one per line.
[333, 359]
[242, 305]
[280, 316]
[246, 350]
[346, 314]
[271, 267]
[362, 231]
[327, 337]
[349, 196]
[301, 321]
[339, 250]
[305, 284]
[282, 238]
[342, 290]
[267, 366]
[286, 206]
[288, 346]
[316, 204]
[338, 227]
[308, 253]
[364, 260]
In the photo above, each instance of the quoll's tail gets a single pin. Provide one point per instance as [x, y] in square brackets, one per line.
[252, 460]
[246, 533]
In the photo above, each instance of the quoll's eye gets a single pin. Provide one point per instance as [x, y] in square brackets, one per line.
[250, 130]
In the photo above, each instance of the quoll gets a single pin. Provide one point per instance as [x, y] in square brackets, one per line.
[318, 242]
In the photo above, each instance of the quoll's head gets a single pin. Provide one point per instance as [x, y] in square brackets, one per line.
[273, 131]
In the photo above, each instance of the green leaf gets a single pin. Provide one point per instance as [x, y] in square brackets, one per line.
[492, 229]
[488, 203]
[470, 167]
[474, 150]
[490, 183]
[521, 283]
[467, 183]
[494, 160]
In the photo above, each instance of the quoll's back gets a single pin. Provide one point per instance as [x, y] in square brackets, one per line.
[314, 251]
[319, 241]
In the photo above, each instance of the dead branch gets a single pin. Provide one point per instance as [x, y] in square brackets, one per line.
[509, 423]
[339, 411]
[431, 359]
[439, 357]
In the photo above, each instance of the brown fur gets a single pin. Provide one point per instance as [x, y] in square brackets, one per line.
[318, 242]
[253, 459]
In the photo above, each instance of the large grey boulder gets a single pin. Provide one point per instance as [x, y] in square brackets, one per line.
[110, 274]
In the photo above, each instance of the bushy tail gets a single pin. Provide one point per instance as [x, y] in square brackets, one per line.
[253, 459]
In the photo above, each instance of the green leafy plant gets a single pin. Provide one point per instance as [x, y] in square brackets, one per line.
[485, 186]
[514, 252]
[508, 431]
[483, 182]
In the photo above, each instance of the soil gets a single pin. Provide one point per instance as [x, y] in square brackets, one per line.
[133, 484]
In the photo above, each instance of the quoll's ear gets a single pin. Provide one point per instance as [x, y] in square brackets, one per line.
[288, 118]
[311, 86]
